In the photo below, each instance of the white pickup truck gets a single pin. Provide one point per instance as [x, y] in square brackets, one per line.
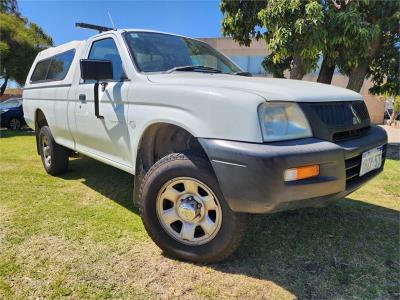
[206, 142]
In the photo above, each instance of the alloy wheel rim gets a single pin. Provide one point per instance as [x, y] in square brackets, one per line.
[46, 151]
[189, 211]
[15, 124]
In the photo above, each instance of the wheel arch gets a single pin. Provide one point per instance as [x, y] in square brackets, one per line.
[40, 121]
[151, 147]
[160, 139]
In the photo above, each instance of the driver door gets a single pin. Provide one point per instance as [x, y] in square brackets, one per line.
[105, 137]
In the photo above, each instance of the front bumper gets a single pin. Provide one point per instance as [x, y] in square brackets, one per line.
[251, 175]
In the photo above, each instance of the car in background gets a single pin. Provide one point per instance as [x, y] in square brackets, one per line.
[11, 114]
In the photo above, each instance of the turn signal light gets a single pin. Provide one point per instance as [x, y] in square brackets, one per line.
[301, 172]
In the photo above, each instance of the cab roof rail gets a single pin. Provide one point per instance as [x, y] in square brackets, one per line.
[100, 29]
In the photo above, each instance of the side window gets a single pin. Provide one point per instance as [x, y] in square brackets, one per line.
[40, 71]
[107, 49]
[54, 68]
[60, 65]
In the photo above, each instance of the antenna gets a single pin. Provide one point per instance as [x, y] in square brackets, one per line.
[100, 29]
[111, 20]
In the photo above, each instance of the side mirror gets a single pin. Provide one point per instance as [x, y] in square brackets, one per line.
[96, 69]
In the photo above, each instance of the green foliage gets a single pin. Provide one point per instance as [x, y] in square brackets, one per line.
[396, 104]
[241, 20]
[348, 34]
[347, 38]
[293, 28]
[9, 7]
[384, 68]
[289, 29]
[277, 68]
[20, 42]
[357, 27]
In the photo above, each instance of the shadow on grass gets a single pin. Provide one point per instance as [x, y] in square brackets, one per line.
[347, 250]
[6, 133]
[111, 182]
[393, 151]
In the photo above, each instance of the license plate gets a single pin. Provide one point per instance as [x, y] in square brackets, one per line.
[371, 160]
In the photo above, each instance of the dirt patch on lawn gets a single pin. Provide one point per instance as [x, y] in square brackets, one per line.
[54, 266]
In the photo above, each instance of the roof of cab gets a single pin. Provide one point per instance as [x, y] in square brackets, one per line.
[78, 44]
[140, 30]
[146, 30]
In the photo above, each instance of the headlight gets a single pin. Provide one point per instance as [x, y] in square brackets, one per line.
[282, 121]
[3, 111]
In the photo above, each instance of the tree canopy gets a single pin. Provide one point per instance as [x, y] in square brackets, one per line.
[291, 30]
[10, 7]
[360, 38]
[20, 42]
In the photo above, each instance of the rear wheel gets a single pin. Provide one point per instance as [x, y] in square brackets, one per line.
[15, 124]
[185, 213]
[54, 156]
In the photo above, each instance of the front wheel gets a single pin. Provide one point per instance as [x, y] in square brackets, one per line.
[185, 213]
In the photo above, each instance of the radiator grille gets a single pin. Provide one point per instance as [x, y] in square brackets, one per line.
[353, 166]
[347, 134]
[337, 121]
[339, 114]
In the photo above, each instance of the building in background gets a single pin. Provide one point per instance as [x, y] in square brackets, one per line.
[250, 60]
[247, 58]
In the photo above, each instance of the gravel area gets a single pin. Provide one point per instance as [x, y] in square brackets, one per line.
[393, 133]
[394, 141]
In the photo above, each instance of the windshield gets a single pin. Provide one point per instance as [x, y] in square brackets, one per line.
[11, 103]
[157, 52]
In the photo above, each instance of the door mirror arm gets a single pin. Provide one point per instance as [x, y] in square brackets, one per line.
[103, 86]
[96, 101]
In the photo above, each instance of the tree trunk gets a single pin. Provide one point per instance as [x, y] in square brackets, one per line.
[357, 75]
[297, 71]
[326, 73]
[393, 117]
[3, 86]
[356, 78]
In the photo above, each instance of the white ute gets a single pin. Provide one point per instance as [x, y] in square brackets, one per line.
[207, 142]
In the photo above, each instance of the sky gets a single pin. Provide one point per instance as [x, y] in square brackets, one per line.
[58, 18]
[186, 17]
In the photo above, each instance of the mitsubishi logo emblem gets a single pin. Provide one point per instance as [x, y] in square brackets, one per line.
[356, 118]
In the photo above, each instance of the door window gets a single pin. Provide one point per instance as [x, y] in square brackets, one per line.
[107, 49]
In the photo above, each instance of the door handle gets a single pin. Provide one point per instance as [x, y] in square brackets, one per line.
[82, 98]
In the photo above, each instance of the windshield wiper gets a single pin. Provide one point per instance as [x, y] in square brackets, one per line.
[196, 68]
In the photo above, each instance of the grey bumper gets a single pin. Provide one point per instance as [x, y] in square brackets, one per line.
[251, 175]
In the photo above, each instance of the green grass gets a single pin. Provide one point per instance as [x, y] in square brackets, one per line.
[79, 236]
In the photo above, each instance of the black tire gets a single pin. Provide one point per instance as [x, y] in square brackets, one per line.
[58, 161]
[15, 124]
[176, 165]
